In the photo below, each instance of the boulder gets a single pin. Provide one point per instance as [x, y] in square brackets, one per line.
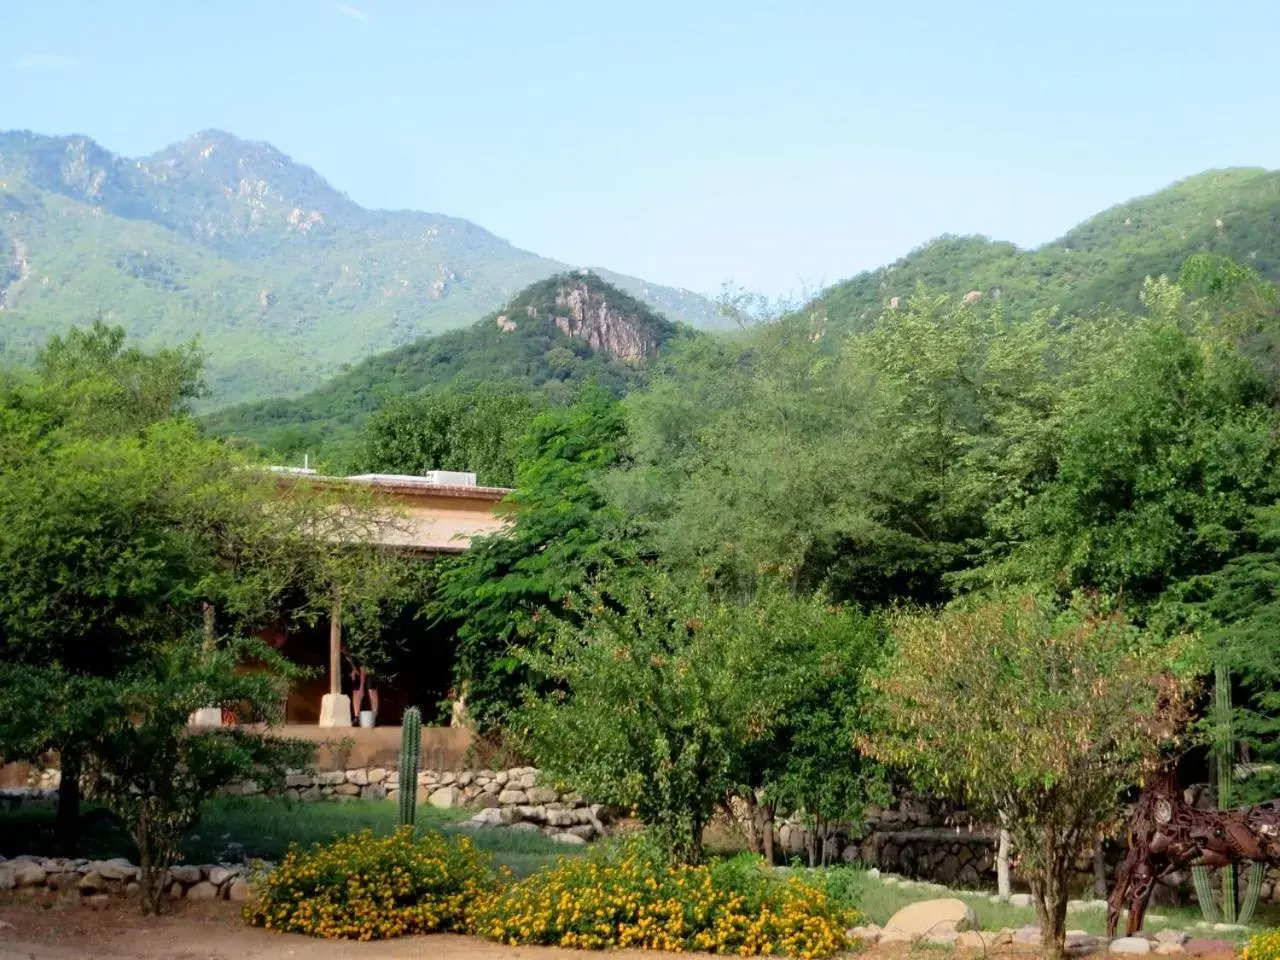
[1131, 945]
[238, 892]
[583, 830]
[494, 817]
[1027, 936]
[971, 940]
[561, 818]
[446, 797]
[379, 775]
[513, 798]
[96, 901]
[1169, 949]
[538, 795]
[570, 839]
[868, 934]
[501, 778]
[28, 874]
[220, 875]
[93, 882]
[927, 917]
[528, 779]
[1020, 900]
[330, 778]
[485, 801]
[310, 794]
[374, 791]
[185, 874]
[116, 869]
[204, 890]
[347, 790]
[1173, 936]
[898, 936]
[298, 780]
[359, 776]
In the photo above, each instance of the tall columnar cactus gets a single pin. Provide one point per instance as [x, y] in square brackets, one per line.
[410, 746]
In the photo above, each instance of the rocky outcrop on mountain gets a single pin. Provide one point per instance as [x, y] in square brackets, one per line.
[586, 314]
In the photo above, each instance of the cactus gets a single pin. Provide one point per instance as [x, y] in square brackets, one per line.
[410, 746]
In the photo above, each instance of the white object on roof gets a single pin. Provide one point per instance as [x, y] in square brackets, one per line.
[433, 478]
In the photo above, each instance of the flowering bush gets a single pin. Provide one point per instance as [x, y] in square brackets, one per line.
[1264, 946]
[363, 887]
[629, 896]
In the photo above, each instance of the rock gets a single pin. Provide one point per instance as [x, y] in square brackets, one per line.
[570, 839]
[561, 818]
[204, 890]
[528, 780]
[1028, 935]
[1173, 936]
[298, 780]
[117, 869]
[220, 875]
[28, 874]
[379, 775]
[70, 880]
[446, 797]
[1133, 945]
[485, 801]
[466, 778]
[501, 778]
[185, 874]
[538, 795]
[7, 881]
[524, 826]
[868, 934]
[944, 934]
[583, 830]
[493, 788]
[359, 776]
[310, 795]
[513, 798]
[1020, 900]
[132, 889]
[374, 791]
[330, 778]
[93, 882]
[239, 891]
[928, 916]
[972, 940]
[1228, 927]
[97, 901]
[177, 891]
[1169, 949]
[494, 817]
[346, 790]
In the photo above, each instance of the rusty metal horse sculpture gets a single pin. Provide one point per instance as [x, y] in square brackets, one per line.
[1167, 834]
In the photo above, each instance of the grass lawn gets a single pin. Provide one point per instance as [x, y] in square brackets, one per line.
[258, 827]
[879, 901]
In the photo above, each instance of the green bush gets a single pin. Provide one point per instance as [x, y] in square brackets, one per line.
[629, 895]
[363, 887]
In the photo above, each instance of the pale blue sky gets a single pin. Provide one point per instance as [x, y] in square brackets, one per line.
[774, 144]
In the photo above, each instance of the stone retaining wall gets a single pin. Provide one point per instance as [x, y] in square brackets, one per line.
[95, 882]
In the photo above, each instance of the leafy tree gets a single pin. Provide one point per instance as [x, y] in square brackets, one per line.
[478, 431]
[1040, 719]
[563, 532]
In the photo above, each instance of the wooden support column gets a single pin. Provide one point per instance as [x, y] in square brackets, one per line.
[335, 645]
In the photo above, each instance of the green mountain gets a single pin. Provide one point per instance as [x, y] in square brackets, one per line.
[284, 278]
[1102, 261]
[552, 337]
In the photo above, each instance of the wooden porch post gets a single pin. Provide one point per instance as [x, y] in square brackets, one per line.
[335, 706]
[335, 645]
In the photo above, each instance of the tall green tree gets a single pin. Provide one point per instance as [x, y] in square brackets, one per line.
[562, 531]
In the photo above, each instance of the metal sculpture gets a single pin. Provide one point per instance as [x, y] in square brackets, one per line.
[1167, 834]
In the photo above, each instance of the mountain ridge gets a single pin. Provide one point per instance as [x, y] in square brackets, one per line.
[283, 276]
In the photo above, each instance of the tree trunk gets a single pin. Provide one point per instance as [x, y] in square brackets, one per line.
[752, 821]
[766, 831]
[1099, 872]
[1049, 894]
[1004, 886]
[67, 826]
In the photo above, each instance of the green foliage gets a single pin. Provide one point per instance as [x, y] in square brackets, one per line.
[499, 591]
[363, 887]
[628, 896]
[478, 431]
[285, 278]
[146, 768]
[410, 753]
[667, 699]
[1072, 709]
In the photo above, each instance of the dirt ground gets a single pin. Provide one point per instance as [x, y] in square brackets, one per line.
[215, 932]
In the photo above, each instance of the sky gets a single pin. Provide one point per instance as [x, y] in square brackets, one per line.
[775, 146]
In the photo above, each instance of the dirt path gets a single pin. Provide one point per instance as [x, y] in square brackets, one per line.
[215, 932]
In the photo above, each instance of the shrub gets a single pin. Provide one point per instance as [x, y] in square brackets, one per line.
[1263, 946]
[363, 887]
[630, 896]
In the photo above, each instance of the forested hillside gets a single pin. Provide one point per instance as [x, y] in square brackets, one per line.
[282, 277]
[554, 336]
[1102, 261]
